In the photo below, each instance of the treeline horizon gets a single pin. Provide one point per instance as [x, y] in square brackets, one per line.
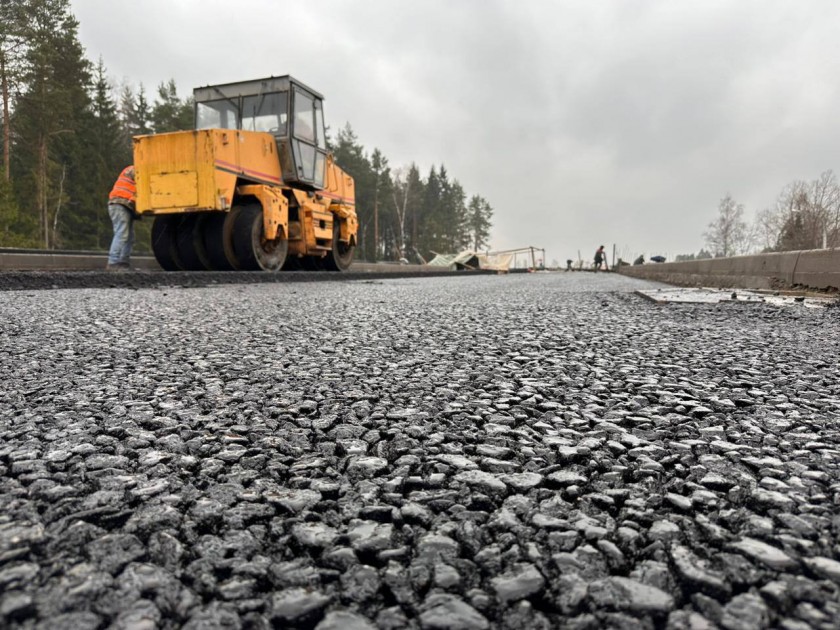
[67, 133]
[805, 215]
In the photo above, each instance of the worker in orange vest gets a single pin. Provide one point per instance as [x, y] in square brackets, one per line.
[122, 212]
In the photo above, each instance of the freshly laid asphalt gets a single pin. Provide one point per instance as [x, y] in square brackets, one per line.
[525, 451]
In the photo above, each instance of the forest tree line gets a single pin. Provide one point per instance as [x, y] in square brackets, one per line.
[805, 215]
[67, 132]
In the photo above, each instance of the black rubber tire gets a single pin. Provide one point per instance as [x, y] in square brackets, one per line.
[341, 256]
[164, 235]
[217, 232]
[189, 243]
[252, 251]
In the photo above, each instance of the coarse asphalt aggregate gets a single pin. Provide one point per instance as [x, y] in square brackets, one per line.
[524, 451]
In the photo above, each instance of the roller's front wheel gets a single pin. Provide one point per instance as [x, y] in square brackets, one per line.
[252, 250]
[341, 254]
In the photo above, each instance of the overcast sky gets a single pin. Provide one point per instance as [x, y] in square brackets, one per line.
[582, 123]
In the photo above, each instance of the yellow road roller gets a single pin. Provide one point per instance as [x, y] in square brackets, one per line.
[252, 188]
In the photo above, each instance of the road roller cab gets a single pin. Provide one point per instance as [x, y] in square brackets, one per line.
[252, 187]
[291, 112]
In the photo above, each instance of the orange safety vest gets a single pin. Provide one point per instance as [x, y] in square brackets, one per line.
[125, 188]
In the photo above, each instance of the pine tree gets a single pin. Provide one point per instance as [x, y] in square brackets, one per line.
[169, 113]
[13, 46]
[48, 113]
[427, 225]
[454, 218]
[14, 225]
[382, 187]
[134, 112]
[350, 156]
[479, 214]
[106, 134]
[415, 192]
[103, 156]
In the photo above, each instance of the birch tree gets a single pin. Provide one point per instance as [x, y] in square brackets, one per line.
[728, 234]
[806, 215]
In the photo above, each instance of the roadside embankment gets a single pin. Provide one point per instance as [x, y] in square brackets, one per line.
[815, 269]
[55, 260]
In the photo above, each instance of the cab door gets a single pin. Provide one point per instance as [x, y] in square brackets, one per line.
[309, 142]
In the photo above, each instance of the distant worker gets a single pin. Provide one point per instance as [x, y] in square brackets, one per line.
[600, 258]
[569, 264]
[640, 260]
[121, 209]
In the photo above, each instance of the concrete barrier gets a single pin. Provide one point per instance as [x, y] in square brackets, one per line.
[816, 269]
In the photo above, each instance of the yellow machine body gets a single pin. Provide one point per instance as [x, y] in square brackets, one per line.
[213, 170]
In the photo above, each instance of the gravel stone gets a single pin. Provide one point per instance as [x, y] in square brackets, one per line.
[764, 553]
[522, 482]
[114, 551]
[446, 576]
[344, 620]
[679, 501]
[434, 547]
[524, 580]
[688, 620]
[314, 534]
[771, 499]
[484, 481]
[366, 466]
[457, 461]
[448, 612]
[664, 531]
[16, 605]
[296, 604]
[366, 536]
[745, 612]
[293, 501]
[824, 568]
[619, 593]
[567, 478]
[690, 569]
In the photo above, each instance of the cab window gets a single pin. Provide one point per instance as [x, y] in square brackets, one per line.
[319, 125]
[304, 117]
[265, 112]
[216, 115]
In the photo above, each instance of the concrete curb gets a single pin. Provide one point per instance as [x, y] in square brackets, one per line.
[45, 261]
[40, 260]
[816, 269]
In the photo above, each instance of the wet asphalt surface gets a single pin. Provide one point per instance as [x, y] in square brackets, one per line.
[532, 451]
